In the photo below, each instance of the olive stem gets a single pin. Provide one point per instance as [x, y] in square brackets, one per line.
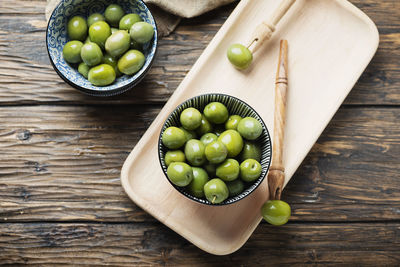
[213, 200]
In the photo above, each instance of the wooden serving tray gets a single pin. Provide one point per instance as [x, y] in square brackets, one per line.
[330, 44]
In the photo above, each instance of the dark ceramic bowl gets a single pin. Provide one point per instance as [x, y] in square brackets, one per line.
[235, 107]
[56, 38]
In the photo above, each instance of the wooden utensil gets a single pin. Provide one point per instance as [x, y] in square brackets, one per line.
[276, 174]
[264, 31]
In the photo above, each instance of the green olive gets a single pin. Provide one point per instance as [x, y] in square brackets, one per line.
[250, 151]
[180, 173]
[240, 56]
[142, 32]
[99, 33]
[118, 43]
[83, 69]
[190, 118]
[72, 51]
[128, 20]
[95, 17]
[131, 62]
[102, 75]
[276, 212]
[77, 28]
[233, 142]
[194, 152]
[91, 54]
[200, 178]
[87, 40]
[228, 170]
[216, 191]
[235, 187]
[232, 122]
[216, 152]
[173, 137]
[108, 59]
[250, 170]
[208, 138]
[174, 156]
[205, 126]
[113, 14]
[113, 30]
[216, 112]
[250, 128]
[189, 134]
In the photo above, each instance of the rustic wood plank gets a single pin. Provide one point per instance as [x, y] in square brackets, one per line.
[62, 163]
[27, 77]
[153, 244]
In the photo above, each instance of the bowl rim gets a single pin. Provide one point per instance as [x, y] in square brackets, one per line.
[98, 91]
[193, 198]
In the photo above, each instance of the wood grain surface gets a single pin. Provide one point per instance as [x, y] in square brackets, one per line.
[61, 201]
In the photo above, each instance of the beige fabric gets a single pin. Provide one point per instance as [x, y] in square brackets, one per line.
[167, 13]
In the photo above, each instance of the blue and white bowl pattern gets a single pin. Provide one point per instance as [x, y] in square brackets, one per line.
[57, 37]
[235, 107]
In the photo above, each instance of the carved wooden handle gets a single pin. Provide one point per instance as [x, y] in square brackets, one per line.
[263, 32]
[276, 174]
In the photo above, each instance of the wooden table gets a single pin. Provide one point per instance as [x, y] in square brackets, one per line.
[61, 152]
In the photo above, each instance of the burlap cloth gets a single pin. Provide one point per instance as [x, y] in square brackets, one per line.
[168, 13]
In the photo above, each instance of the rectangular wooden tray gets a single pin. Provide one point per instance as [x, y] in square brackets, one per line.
[330, 44]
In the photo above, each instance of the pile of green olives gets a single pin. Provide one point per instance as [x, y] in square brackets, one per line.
[105, 46]
[213, 155]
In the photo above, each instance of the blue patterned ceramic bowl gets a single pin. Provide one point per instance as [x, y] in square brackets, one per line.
[235, 107]
[57, 37]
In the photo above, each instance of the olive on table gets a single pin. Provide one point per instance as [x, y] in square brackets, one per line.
[250, 128]
[216, 152]
[232, 122]
[108, 59]
[200, 178]
[91, 54]
[83, 69]
[235, 187]
[113, 14]
[228, 170]
[216, 112]
[240, 56]
[233, 142]
[174, 156]
[95, 17]
[194, 152]
[276, 212]
[102, 75]
[250, 151]
[189, 134]
[128, 20]
[180, 173]
[216, 191]
[99, 32]
[190, 118]
[118, 43]
[77, 28]
[208, 138]
[250, 170]
[131, 62]
[72, 51]
[141, 32]
[173, 137]
[205, 126]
